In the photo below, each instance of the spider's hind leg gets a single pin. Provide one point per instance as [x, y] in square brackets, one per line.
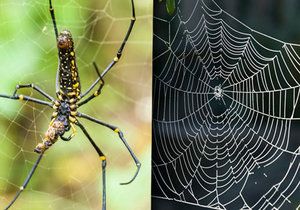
[121, 136]
[28, 178]
[102, 158]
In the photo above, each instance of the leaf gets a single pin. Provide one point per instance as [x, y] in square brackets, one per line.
[170, 6]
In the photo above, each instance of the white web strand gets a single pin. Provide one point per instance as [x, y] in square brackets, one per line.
[226, 100]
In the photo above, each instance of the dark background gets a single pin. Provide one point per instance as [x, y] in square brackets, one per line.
[275, 18]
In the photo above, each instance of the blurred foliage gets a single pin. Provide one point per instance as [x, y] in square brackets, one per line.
[170, 6]
[69, 176]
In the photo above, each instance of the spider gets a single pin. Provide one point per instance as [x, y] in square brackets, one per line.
[68, 99]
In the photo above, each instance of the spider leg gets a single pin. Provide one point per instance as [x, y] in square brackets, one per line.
[113, 62]
[74, 132]
[53, 18]
[29, 176]
[34, 87]
[97, 92]
[56, 35]
[102, 158]
[121, 136]
[26, 98]
[120, 51]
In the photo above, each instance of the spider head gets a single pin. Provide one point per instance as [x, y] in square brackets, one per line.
[65, 40]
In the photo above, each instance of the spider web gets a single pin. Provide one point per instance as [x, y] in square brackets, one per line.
[69, 176]
[226, 112]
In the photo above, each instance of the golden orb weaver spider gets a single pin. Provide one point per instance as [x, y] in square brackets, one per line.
[69, 98]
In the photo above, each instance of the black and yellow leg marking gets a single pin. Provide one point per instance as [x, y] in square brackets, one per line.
[73, 120]
[102, 158]
[97, 92]
[121, 136]
[72, 117]
[26, 98]
[34, 87]
[120, 51]
[132, 21]
[55, 105]
[112, 63]
[74, 132]
[54, 114]
[24, 185]
[52, 121]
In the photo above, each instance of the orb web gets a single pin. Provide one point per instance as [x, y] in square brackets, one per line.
[225, 112]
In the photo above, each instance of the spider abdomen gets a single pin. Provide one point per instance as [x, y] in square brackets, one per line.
[69, 82]
[56, 129]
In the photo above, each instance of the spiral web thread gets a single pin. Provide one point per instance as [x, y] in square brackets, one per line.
[226, 112]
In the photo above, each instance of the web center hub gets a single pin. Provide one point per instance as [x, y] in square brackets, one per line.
[218, 92]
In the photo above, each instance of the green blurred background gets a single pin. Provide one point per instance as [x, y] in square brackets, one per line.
[69, 176]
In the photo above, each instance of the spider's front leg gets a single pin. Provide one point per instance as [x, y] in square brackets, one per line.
[112, 63]
[21, 97]
[26, 98]
[34, 87]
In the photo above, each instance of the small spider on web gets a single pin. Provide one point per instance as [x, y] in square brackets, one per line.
[69, 99]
